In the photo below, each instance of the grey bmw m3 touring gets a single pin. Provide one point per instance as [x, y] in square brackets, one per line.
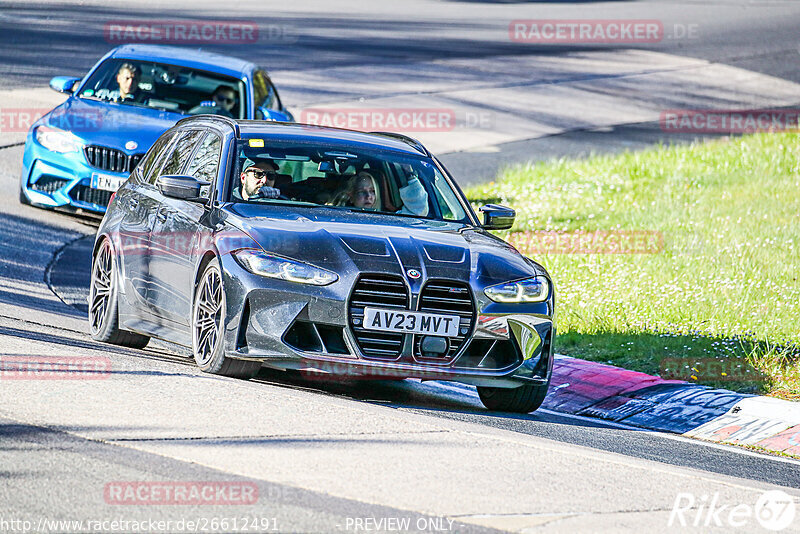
[337, 252]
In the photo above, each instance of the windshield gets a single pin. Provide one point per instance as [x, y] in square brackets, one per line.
[166, 87]
[349, 179]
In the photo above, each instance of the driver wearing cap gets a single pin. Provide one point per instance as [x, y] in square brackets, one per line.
[257, 181]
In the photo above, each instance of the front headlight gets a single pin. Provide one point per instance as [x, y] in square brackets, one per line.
[534, 289]
[57, 140]
[259, 262]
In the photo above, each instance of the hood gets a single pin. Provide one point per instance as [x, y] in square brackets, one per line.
[348, 243]
[111, 125]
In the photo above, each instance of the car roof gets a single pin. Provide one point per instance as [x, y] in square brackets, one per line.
[289, 131]
[303, 133]
[185, 57]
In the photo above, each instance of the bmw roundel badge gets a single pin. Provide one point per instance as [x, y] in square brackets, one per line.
[413, 273]
[131, 145]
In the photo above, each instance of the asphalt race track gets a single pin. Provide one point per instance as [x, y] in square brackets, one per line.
[348, 456]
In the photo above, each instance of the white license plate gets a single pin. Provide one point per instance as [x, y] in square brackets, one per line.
[410, 322]
[107, 182]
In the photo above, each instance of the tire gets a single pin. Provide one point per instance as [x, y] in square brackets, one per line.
[208, 320]
[103, 316]
[524, 399]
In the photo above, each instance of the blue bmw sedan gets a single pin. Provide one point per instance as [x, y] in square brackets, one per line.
[79, 153]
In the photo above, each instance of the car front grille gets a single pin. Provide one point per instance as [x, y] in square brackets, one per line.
[448, 297]
[48, 184]
[110, 159]
[382, 291]
[84, 193]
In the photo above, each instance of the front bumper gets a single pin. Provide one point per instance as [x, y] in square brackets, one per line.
[307, 328]
[61, 181]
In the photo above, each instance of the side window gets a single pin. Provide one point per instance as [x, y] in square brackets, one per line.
[148, 162]
[180, 153]
[205, 163]
[260, 89]
[264, 93]
[446, 198]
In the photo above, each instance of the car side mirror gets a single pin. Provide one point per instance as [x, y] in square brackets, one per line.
[183, 187]
[497, 217]
[64, 84]
[268, 114]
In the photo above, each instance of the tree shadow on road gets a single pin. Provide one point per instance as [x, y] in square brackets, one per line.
[31, 44]
[28, 247]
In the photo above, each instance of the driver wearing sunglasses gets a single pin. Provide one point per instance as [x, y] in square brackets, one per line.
[222, 102]
[257, 181]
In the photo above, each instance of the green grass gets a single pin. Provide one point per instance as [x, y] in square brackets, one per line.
[723, 288]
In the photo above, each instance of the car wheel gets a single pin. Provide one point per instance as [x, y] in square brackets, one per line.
[208, 320]
[524, 399]
[103, 317]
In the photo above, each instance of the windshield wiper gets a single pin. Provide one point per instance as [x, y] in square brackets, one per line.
[271, 201]
[393, 214]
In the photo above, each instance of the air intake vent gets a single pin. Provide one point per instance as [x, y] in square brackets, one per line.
[49, 184]
[380, 291]
[306, 336]
[110, 159]
[452, 298]
[84, 193]
[490, 355]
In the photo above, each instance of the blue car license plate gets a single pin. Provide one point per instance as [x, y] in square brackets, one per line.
[107, 182]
